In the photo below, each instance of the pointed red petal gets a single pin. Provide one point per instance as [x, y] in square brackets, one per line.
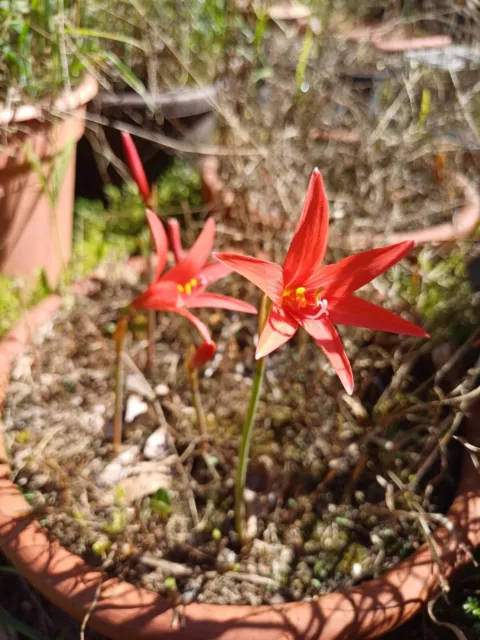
[160, 241]
[267, 276]
[196, 257]
[356, 312]
[135, 166]
[326, 336]
[198, 324]
[212, 272]
[217, 301]
[175, 238]
[309, 242]
[158, 296]
[278, 330]
[348, 275]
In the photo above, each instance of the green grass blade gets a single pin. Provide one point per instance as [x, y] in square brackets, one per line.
[105, 35]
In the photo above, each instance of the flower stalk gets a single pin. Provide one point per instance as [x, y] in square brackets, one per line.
[119, 340]
[247, 431]
[198, 405]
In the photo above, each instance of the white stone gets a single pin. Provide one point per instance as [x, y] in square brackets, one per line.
[156, 446]
[162, 390]
[135, 407]
[118, 467]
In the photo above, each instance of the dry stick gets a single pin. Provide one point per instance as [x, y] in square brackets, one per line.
[439, 446]
[171, 442]
[90, 610]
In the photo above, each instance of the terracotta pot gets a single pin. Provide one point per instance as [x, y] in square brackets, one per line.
[122, 611]
[32, 236]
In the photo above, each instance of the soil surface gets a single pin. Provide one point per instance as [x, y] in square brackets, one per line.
[328, 502]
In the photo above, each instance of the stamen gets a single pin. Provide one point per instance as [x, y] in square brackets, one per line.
[180, 288]
[188, 288]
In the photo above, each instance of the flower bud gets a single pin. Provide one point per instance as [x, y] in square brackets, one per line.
[135, 165]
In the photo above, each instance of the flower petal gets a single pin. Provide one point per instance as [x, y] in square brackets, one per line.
[267, 276]
[212, 272]
[175, 238]
[195, 258]
[198, 324]
[348, 275]
[356, 312]
[309, 242]
[326, 336]
[158, 296]
[278, 330]
[135, 165]
[160, 240]
[217, 301]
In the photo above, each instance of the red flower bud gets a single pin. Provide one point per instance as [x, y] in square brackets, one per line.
[203, 354]
[135, 165]
[175, 238]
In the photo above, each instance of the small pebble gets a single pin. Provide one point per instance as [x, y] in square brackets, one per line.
[161, 390]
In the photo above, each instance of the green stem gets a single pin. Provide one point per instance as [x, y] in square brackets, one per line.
[245, 448]
[197, 403]
[119, 338]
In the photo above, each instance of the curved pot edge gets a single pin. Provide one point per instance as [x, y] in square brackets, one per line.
[123, 611]
[79, 96]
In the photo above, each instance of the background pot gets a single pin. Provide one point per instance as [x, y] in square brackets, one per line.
[33, 234]
[121, 611]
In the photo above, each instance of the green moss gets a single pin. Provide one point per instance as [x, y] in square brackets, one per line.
[441, 292]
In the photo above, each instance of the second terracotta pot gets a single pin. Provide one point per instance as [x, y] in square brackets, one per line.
[35, 235]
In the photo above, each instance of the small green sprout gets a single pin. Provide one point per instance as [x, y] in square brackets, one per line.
[161, 504]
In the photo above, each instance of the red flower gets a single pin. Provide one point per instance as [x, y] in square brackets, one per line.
[135, 165]
[183, 286]
[306, 293]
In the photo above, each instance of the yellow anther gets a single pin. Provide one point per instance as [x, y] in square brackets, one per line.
[286, 292]
[300, 291]
[180, 288]
[194, 282]
[188, 288]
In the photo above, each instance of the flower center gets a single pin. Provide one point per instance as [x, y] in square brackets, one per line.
[306, 303]
[191, 285]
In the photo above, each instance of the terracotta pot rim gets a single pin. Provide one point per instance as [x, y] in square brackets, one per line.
[69, 101]
[123, 611]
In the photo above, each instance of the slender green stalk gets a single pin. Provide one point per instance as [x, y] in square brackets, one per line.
[119, 338]
[198, 404]
[245, 447]
[248, 428]
[152, 324]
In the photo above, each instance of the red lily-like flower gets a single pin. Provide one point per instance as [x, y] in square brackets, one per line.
[304, 292]
[183, 287]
